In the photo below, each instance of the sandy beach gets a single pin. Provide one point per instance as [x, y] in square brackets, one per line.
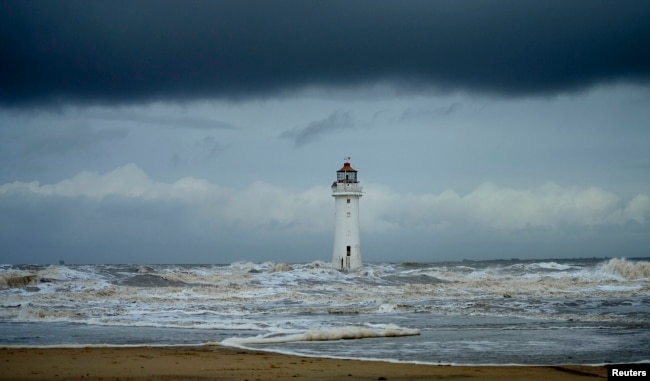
[221, 363]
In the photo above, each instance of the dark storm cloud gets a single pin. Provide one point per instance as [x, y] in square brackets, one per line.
[167, 120]
[338, 120]
[417, 114]
[139, 51]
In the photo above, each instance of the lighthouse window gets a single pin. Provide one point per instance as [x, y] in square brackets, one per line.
[348, 201]
[348, 214]
[346, 177]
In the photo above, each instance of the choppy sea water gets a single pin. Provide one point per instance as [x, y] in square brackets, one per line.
[579, 311]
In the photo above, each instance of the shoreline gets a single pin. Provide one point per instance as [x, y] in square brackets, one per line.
[212, 345]
[229, 363]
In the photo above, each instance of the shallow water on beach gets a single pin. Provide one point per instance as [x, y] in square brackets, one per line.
[581, 311]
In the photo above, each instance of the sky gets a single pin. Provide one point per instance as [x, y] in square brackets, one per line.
[210, 131]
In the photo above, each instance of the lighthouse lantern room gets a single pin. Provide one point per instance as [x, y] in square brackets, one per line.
[346, 192]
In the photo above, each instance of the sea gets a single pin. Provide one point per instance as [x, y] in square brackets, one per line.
[528, 312]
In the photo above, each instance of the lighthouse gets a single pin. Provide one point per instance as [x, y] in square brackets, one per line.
[346, 192]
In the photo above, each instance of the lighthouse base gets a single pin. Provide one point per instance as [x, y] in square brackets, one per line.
[350, 259]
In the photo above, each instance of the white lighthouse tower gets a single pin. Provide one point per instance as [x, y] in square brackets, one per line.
[346, 192]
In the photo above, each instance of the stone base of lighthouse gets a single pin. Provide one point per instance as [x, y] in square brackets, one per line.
[350, 260]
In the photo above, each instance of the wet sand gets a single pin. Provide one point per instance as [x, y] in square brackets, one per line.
[221, 363]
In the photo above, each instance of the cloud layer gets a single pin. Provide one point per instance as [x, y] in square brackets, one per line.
[267, 206]
[141, 51]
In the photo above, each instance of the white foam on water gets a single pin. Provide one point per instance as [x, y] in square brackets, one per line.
[616, 288]
[200, 296]
[386, 308]
[553, 266]
[325, 334]
[287, 303]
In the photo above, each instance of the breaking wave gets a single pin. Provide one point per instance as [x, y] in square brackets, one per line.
[627, 269]
[339, 333]
[18, 279]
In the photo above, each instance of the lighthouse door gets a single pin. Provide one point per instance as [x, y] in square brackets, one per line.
[348, 250]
